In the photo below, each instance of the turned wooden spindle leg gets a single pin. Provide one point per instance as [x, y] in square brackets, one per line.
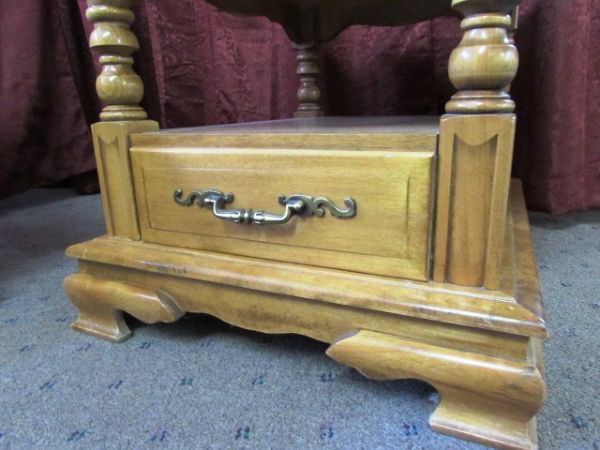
[118, 86]
[476, 147]
[485, 62]
[308, 71]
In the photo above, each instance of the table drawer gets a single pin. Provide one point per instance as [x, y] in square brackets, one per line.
[388, 234]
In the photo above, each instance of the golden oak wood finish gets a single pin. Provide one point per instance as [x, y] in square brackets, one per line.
[476, 148]
[389, 234]
[470, 325]
[424, 330]
[475, 158]
[486, 60]
[405, 133]
[121, 90]
[101, 305]
[118, 86]
[490, 400]
[492, 310]
[111, 146]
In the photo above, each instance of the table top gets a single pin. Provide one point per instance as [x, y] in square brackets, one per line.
[317, 21]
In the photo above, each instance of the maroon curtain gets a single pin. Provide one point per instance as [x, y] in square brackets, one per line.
[202, 66]
[44, 100]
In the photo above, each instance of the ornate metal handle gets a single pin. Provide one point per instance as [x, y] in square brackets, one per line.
[298, 204]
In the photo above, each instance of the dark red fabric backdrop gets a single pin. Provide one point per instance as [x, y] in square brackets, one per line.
[202, 66]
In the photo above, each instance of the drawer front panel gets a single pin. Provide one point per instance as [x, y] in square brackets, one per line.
[389, 235]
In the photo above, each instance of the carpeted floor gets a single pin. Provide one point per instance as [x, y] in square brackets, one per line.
[200, 383]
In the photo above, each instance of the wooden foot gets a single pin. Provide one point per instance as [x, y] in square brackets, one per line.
[484, 399]
[101, 304]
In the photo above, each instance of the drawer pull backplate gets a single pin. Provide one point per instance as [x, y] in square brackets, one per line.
[296, 204]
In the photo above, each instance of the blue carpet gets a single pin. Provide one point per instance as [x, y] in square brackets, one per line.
[200, 383]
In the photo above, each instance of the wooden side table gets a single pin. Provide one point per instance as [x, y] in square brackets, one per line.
[401, 241]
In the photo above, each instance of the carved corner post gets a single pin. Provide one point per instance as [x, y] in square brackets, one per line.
[308, 71]
[476, 146]
[121, 91]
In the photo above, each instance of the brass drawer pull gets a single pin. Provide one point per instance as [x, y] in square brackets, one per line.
[303, 205]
